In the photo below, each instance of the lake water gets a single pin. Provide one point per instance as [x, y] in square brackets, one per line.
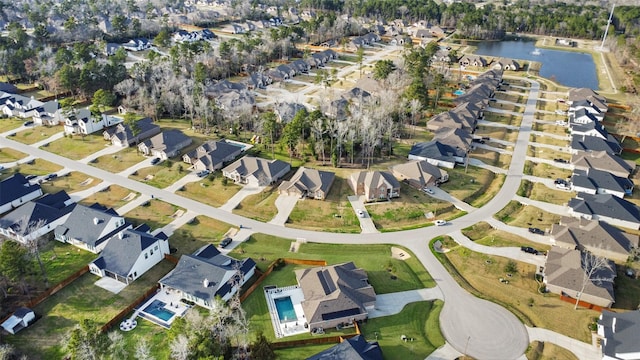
[573, 69]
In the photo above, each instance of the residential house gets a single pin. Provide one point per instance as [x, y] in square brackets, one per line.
[15, 191]
[605, 207]
[256, 171]
[233, 100]
[374, 185]
[337, 109]
[437, 153]
[20, 319]
[335, 294]
[419, 173]
[618, 332]
[308, 183]
[463, 116]
[258, 80]
[582, 117]
[212, 155]
[564, 273]
[506, 65]
[371, 38]
[354, 348]
[579, 94]
[586, 106]
[436, 31]
[90, 227]
[286, 69]
[594, 143]
[166, 144]
[83, 122]
[129, 254]
[593, 181]
[589, 129]
[300, 66]
[602, 160]
[423, 34]
[357, 96]
[37, 217]
[137, 44]
[122, 135]
[596, 237]
[206, 275]
[472, 60]
[400, 40]
[478, 100]
[48, 114]
[459, 139]
[43, 113]
[287, 111]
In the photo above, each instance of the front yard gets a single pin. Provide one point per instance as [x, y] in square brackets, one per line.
[119, 161]
[549, 140]
[71, 182]
[496, 132]
[154, 213]
[10, 124]
[10, 155]
[77, 147]
[261, 207]
[517, 214]
[548, 154]
[482, 233]
[33, 135]
[540, 192]
[37, 167]
[113, 196]
[490, 157]
[545, 170]
[211, 190]
[162, 175]
[475, 186]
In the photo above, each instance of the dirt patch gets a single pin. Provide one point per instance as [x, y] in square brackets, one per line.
[399, 254]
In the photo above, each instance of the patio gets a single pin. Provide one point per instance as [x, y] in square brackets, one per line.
[162, 308]
[286, 327]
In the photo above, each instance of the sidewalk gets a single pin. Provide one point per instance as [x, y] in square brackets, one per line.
[51, 138]
[445, 196]
[581, 350]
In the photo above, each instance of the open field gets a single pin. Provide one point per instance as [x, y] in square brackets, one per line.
[161, 175]
[111, 197]
[198, 233]
[545, 170]
[119, 161]
[546, 153]
[10, 155]
[10, 124]
[334, 214]
[474, 186]
[34, 134]
[496, 132]
[210, 190]
[525, 216]
[71, 182]
[549, 140]
[261, 207]
[37, 167]
[77, 147]
[155, 213]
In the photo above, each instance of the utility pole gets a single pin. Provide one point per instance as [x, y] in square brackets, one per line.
[606, 30]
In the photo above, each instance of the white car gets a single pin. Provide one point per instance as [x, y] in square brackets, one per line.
[441, 222]
[360, 213]
[429, 191]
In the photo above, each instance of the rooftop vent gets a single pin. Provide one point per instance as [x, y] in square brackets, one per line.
[205, 282]
[96, 221]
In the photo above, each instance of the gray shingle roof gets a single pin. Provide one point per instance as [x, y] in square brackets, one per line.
[592, 234]
[121, 252]
[124, 134]
[594, 143]
[605, 205]
[257, 167]
[598, 179]
[88, 224]
[436, 150]
[419, 172]
[602, 160]
[309, 180]
[621, 338]
[214, 152]
[15, 187]
[167, 141]
[355, 348]
[46, 209]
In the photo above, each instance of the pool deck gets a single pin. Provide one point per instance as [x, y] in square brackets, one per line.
[173, 304]
[288, 327]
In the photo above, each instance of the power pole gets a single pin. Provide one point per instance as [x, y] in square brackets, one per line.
[606, 30]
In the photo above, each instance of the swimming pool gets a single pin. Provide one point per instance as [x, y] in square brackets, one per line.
[284, 306]
[458, 92]
[156, 308]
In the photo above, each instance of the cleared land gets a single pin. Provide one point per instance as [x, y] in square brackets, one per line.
[77, 147]
[113, 197]
[517, 214]
[261, 207]
[210, 190]
[71, 182]
[35, 134]
[119, 161]
[10, 155]
[154, 213]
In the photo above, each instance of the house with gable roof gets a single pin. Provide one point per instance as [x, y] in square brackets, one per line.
[597, 237]
[593, 181]
[308, 183]
[506, 65]
[286, 111]
[90, 227]
[212, 155]
[579, 94]
[564, 273]
[419, 173]
[129, 254]
[584, 106]
[83, 122]
[605, 207]
[36, 217]
[335, 294]
[618, 332]
[472, 60]
[602, 160]
[354, 348]
[15, 191]
[207, 275]
[20, 319]
[593, 128]
[374, 185]
[166, 144]
[122, 135]
[256, 171]
[593, 143]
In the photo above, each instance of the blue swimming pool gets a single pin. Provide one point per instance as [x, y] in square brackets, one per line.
[284, 306]
[156, 308]
[458, 92]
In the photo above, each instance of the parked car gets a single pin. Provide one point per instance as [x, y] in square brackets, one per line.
[155, 161]
[28, 123]
[429, 191]
[536, 231]
[203, 173]
[441, 222]
[360, 213]
[529, 250]
[559, 160]
[30, 177]
[479, 141]
[560, 181]
[50, 177]
[12, 134]
[225, 242]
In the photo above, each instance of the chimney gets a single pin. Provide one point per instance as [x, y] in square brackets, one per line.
[120, 235]
[96, 221]
[205, 282]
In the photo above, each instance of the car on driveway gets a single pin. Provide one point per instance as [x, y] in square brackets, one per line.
[50, 177]
[28, 123]
[225, 242]
[155, 161]
[30, 177]
[429, 191]
[441, 222]
[529, 250]
[360, 213]
[536, 231]
[562, 161]
[203, 173]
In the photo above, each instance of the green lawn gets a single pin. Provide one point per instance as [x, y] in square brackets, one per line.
[35, 167]
[475, 186]
[61, 260]
[10, 155]
[77, 147]
[545, 170]
[112, 197]
[162, 175]
[202, 231]
[155, 213]
[483, 234]
[517, 214]
[119, 161]
[35, 134]
[10, 124]
[210, 190]
[71, 182]
[261, 207]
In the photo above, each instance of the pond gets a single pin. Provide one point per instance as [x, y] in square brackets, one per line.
[573, 69]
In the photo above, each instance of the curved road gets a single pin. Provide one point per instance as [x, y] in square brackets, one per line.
[472, 326]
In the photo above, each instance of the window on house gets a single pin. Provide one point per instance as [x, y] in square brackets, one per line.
[156, 247]
[146, 256]
[151, 251]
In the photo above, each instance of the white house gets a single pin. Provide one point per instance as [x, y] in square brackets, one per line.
[82, 122]
[129, 254]
[15, 191]
[20, 319]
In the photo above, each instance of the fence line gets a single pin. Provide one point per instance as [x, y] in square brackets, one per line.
[317, 341]
[581, 303]
[128, 309]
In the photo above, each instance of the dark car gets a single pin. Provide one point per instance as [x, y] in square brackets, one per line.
[155, 161]
[560, 181]
[529, 250]
[50, 177]
[225, 242]
[558, 160]
[480, 141]
[203, 173]
[536, 231]
[28, 123]
[30, 177]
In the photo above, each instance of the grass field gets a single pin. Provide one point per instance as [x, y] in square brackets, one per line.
[541, 192]
[476, 186]
[549, 140]
[119, 161]
[162, 175]
[210, 190]
[77, 147]
[35, 134]
[10, 124]
[37, 167]
[71, 182]
[517, 214]
[156, 214]
[111, 197]
[10, 155]
[503, 118]
[491, 158]
[546, 153]
[544, 170]
[194, 235]
[333, 214]
[483, 234]
[496, 132]
[261, 207]
[549, 128]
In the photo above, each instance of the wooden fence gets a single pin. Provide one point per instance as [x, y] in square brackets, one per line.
[316, 341]
[581, 303]
[116, 319]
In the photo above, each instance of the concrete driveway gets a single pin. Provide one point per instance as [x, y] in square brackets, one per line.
[508, 252]
[239, 196]
[285, 205]
[366, 223]
[393, 303]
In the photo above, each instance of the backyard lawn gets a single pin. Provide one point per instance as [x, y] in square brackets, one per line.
[410, 210]
[482, 233]
[490, 157]
[77, 147]
[10, 155]
[71, 182]
[34, 134]
[475, 186]
[10, 124]
[480, 273]
[546, 153]
[333, 214]
[162, 175]
[544, 170]
[113, 196]
[210, 190]
[119, 161]
[548, 140]
[194, 235]
[517, 214]
[37, 167]
[496, 132]
[261, 207]
[155, 213]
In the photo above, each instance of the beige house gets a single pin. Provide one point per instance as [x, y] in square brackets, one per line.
[335, 294]
[419, 173]
[375, 185]
[308, 183]
[602, 160]
[256, 171]
[211, 155]
[564, 274]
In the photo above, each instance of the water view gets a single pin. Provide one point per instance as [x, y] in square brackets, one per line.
[568, 68]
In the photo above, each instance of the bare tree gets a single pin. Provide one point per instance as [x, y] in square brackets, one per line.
[143, 351]
[180, 348]
[597, 270]
[117, 344]
[32, 235]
